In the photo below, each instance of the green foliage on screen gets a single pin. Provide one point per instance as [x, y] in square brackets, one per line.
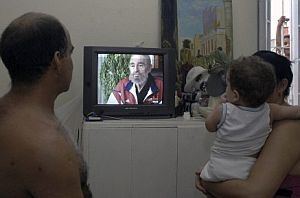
[114, 68]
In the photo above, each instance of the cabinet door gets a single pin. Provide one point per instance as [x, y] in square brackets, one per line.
[194, 144]
[154, 157]
[108, 154]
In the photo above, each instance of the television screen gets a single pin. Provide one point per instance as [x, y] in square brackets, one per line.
[129, 82]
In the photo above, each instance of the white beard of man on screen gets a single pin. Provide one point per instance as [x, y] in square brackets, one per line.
[140, 87]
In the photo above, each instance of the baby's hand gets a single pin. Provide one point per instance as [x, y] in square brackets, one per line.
[223, 98]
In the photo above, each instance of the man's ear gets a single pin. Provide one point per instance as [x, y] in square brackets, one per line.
[56, 61]
[149, 68]
[236, 96]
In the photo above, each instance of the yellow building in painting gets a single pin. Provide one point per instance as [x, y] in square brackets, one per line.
[217, 31]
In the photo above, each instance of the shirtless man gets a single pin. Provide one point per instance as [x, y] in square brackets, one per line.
[38, 158]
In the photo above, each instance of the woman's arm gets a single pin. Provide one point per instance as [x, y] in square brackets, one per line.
[283, 112]
[279, 155]
[278, 34]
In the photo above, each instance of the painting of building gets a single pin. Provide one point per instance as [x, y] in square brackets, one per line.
[200, 30]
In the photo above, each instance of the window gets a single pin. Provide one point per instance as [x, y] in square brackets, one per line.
[283, 40]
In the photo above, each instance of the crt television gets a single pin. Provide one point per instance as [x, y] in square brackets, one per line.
[105, 67]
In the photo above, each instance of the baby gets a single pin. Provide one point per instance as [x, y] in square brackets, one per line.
[244, 121]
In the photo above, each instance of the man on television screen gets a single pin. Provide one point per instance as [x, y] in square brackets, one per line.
[140, 87]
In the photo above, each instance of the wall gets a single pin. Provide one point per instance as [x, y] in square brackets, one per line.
[245, 27]
[120, 23]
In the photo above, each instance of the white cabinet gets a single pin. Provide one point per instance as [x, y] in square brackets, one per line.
[194, 144]
[109, 162]
[154, 157]
[145, 158]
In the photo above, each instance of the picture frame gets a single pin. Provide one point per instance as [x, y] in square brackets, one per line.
[201, 33]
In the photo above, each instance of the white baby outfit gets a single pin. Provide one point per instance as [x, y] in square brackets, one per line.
[241, 134]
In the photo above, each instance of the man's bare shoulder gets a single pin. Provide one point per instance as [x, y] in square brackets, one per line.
[35, 135]
[35, 149]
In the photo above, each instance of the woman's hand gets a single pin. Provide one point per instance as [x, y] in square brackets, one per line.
[199, 185]
[198, 182]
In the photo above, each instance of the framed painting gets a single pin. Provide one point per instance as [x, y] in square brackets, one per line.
[200, 31]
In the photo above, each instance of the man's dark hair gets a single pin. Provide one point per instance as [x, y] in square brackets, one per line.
[253, 78]
[28, 44]
[281, 65]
